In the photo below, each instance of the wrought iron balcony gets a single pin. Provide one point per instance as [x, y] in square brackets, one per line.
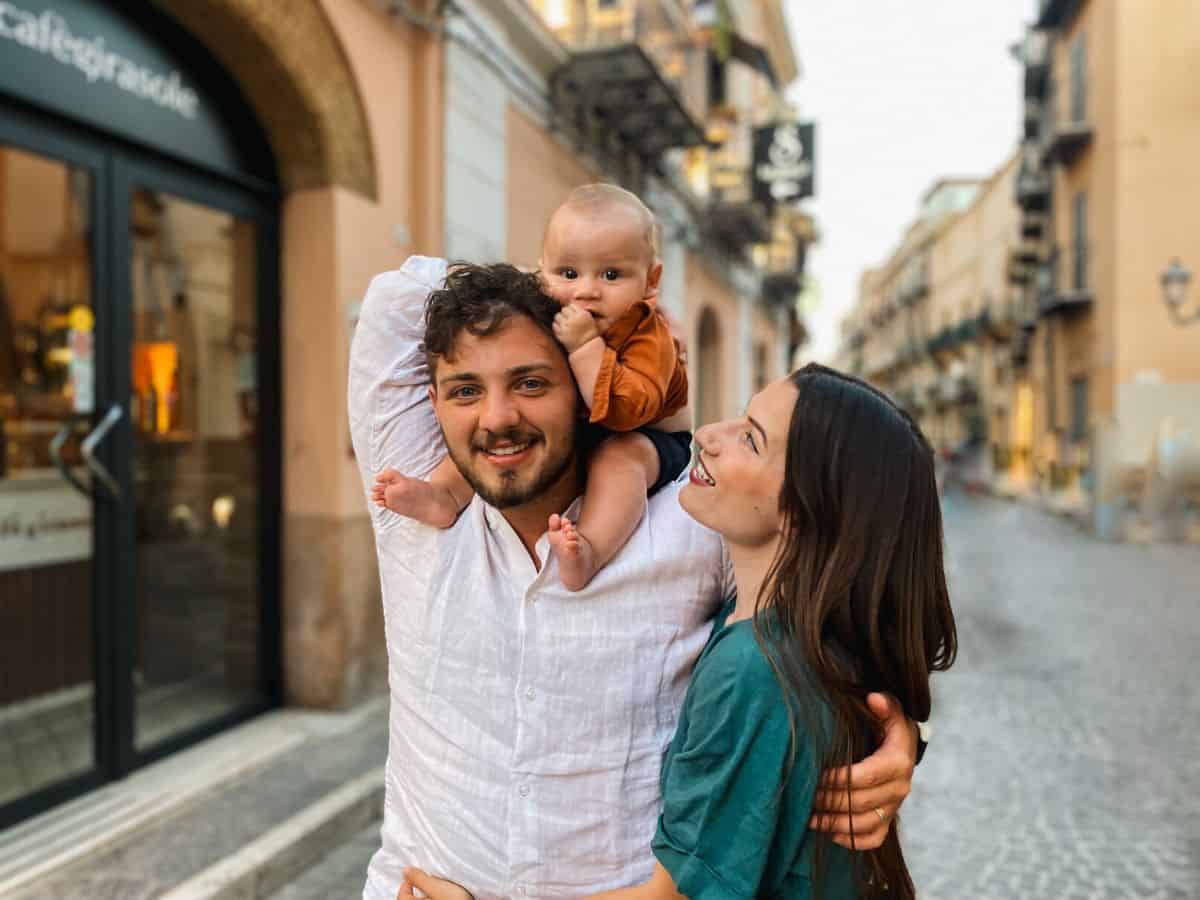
[1056, 13]
[1066, 130]
[1064, 282]
[1033, 117]
[1033, 183]
[634, 81]
[1033, 225]
[734, 220]
[1035, 54]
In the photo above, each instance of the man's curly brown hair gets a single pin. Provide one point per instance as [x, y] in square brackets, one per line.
[479, 299]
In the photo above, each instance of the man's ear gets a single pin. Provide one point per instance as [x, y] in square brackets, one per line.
[652, 279]
[433, 395]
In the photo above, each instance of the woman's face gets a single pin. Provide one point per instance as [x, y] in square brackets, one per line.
[735, 482]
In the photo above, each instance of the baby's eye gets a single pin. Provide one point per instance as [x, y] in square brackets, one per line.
[611, 274]
[569, 273]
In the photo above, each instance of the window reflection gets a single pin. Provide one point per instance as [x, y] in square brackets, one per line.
[194, 409]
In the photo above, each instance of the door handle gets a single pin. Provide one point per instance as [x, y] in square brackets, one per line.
[56, 446]
[88, 447]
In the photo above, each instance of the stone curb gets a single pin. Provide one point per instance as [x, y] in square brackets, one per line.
[68, 836]
[268, 863]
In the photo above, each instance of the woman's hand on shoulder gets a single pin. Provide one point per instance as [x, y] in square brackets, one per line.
[880, 783]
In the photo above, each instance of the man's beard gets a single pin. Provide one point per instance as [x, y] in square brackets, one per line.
[511, 492]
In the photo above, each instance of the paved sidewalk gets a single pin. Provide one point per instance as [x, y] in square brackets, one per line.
[165, 855]
[1065, 760]
[339, 875]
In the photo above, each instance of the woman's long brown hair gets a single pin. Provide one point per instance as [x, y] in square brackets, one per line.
[857, 587]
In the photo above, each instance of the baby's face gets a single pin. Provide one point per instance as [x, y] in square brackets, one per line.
[600, 262]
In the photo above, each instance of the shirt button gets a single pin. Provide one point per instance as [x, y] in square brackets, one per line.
[530, 694]
[523, 790]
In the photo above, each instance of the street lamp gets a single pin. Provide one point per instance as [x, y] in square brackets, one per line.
[1176, 278]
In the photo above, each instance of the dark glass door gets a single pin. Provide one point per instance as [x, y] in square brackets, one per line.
[56, 494]
[198, 526]
[139, 476]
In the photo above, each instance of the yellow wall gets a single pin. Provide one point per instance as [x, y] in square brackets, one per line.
[1157, 186]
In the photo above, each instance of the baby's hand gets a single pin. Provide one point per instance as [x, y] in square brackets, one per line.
[573, 327]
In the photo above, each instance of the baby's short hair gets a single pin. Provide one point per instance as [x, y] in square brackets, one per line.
[601, 195]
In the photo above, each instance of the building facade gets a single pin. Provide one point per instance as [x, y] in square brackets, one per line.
[193, 199]
[1048, 340]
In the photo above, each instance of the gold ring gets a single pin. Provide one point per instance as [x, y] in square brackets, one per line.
[882, 815]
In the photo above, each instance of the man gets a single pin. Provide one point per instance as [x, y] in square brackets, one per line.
[527, 723]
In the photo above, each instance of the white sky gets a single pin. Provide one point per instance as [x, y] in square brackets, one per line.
[903, 92]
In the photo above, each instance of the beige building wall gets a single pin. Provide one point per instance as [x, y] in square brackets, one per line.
[1155, 213]
[541, 172]
[337, 231]
[713, 353]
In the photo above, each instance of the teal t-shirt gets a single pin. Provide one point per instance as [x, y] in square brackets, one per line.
[726, 831]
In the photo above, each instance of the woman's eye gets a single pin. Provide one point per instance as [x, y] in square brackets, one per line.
[750, 441]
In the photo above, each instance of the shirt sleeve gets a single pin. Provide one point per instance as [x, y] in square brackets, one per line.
[720, 834]
[633, 383]
[392, 424]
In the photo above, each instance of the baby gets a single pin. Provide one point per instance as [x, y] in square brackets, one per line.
[600, 262]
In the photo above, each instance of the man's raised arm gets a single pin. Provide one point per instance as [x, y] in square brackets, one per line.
[391, 419]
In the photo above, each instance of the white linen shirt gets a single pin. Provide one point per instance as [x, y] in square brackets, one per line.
[528, 723]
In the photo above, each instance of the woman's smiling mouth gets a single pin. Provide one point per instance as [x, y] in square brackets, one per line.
[700, 474]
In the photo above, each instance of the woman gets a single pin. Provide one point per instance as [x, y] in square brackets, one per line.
[826, 497]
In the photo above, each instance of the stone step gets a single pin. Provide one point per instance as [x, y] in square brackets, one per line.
[339, 874]
[253, 806]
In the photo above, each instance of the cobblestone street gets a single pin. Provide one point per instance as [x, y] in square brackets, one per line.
[1065, 760]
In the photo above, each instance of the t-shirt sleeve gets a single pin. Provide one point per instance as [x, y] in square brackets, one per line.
[720, 825]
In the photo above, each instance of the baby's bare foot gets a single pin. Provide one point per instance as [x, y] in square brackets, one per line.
[576, 558]
[418, 500]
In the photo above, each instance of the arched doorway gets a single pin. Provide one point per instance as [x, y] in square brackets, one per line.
[709, 381]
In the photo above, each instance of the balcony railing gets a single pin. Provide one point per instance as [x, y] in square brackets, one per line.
[1033, 183]
[1064, 282]
[1066, 129]
[1035, 54]
[1056, 13]
[634, 75]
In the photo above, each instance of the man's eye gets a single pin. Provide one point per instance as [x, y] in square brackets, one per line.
[532, 384]
[464, 393]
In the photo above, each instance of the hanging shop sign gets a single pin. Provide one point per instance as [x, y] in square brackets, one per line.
[784, 161]
[95, 63]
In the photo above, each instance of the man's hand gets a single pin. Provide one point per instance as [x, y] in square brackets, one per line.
[879, 783]
[434, 888]
[573, 327]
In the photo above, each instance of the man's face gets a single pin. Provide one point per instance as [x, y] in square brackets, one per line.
[509, 411]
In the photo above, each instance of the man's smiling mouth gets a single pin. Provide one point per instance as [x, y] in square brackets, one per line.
[508, 451]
